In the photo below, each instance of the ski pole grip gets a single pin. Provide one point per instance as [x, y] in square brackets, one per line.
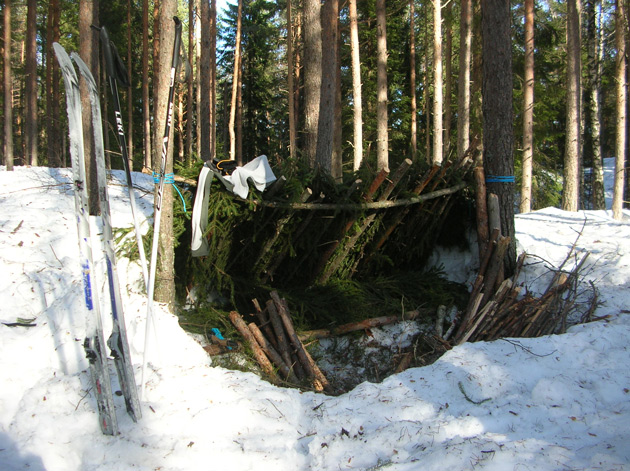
[178, 41]
[113, 64]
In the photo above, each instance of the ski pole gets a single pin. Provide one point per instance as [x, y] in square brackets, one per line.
[160, 193]
[116, 72]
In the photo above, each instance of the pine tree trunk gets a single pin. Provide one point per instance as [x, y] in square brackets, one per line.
[528, 110]
[621, 98]
[326, 123]
[235, 80]
[412, 80]
[497, 115]
[438, 96]
[290, 84]
[8, 89]
[594, 72]
[204, 83]
[571, 191]
[213, 78]
[146, 110]
[448, 79]
[88, 50]
[312, 77]
[31, 83]
[463, 86]
[52, 81]
[165, 271]
[130, 147]
[382, 138]
[190, 108]
[357, 99]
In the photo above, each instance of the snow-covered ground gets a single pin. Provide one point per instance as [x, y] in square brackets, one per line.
[558, 402]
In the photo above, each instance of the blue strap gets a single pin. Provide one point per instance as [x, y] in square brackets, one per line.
[169, 179]
[500, 179]
[217, 333]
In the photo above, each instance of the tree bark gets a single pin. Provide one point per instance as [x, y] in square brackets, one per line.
[357, 100]
[595, 48]
[291, 84]
[88, 50]
[165, 274]
[146, 109]
[448, 79]
[312, 77]
[31, 84]
[571, 191]
[8, 89]
[621, 98]
[235, 80]
[382, 144]
[497, 115]
[130, 146]
[438, 95]
[326, 123]
[53, 135]
[528, 110]
[463, 88]
[205, 83]
[412, 80]
[213, 78]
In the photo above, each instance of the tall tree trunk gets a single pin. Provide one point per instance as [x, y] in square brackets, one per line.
[357, 100]
[155, 66]
[8, 89]
[312, 76]
[412, 80]
[594, 74]
[239, 109]
[146, 109]
[88, 50]
[290, 84]
[165, 271]
[204, 83]
[53, 137]
[31, 83]
[463, 85]
[382, 136]
[497, 115]
[426, 98]
[326, 123]
[337, 155]
[130, 148]
[621, 92]
[190, 107]
[438, 97]
[448, 79]
[571, 191]
[213, 78]
[235, 80]
[528, 110]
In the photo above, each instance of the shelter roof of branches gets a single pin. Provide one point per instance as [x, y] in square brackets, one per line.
[307, 232]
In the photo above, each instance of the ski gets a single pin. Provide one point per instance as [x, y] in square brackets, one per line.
[94, 343]
[116, 72]
[117, 342]
[159, 195]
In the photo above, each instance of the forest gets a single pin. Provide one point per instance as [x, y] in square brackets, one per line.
[339, 88]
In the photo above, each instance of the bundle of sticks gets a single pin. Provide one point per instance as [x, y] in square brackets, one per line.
[277, 347]
[494, 313]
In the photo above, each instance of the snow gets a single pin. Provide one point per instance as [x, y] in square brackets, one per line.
[558, 402]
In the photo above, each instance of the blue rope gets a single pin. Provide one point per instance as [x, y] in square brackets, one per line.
[500, 179]
[169, 179]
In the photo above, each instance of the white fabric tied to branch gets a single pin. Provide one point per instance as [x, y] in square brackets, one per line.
[257, 172]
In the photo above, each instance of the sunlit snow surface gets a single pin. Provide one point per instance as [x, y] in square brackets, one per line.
[558, 402]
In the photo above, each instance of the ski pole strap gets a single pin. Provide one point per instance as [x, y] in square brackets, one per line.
[169, 179]
[500, 179]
